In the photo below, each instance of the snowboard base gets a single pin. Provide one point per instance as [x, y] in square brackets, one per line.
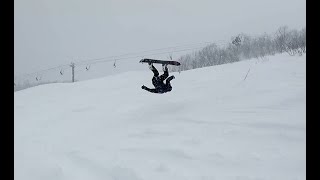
[146, 60]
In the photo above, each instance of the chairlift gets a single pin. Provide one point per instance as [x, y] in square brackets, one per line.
[114, 64]
[88, 67]
[38, 78]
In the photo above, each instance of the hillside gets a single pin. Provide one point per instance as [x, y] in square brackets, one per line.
[214, 125]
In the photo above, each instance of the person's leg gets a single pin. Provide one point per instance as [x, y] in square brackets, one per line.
[165, 72]
[154, 70]
[155, 78]
[155, 81]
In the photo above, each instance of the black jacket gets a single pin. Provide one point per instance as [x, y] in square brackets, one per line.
[160, 86]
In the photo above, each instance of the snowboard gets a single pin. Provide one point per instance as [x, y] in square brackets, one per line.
[146, 60]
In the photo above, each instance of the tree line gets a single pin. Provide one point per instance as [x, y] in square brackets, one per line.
[243, 46]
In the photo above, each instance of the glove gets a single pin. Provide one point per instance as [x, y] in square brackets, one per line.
[144, 87]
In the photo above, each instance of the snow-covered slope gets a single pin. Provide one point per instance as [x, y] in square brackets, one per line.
[214, 125]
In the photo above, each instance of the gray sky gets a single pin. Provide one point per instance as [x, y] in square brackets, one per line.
[51, 32]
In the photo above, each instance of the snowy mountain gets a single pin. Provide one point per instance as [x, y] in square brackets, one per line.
[239, 121]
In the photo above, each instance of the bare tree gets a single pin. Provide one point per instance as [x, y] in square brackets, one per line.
[243, 46]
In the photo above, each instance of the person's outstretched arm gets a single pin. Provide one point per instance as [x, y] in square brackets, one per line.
[150, 90]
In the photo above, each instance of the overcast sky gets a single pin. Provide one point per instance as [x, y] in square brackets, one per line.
[51, 32]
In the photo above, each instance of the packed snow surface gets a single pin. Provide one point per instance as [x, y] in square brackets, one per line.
[239, 121]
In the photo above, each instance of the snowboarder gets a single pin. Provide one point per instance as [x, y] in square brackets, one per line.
[157, 81]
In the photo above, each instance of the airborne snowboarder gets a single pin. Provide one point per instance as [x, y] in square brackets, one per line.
[157, 81]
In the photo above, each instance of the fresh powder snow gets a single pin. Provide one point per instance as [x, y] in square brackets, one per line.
[238, 121]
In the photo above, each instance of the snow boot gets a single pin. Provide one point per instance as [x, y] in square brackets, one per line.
[164, 67]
